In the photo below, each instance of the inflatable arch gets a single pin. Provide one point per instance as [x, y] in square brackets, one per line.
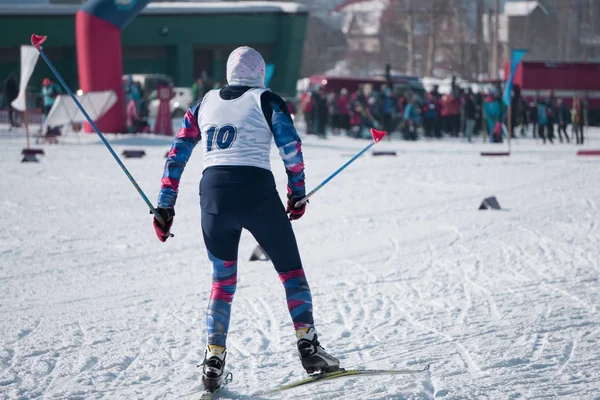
[98, 26]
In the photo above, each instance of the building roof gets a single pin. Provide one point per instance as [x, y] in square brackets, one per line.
[17, 2]
[362, 17]
[14, 2]
[345, 4]
[522, 8]
[179, 8]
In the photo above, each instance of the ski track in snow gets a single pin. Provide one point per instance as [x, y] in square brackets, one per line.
[405, 271]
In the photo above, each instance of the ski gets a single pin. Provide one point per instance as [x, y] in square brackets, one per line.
[204, 395]
[341, 374]
[208, 395]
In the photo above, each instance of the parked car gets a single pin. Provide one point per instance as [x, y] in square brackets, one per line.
[149, 82]
[182, 99]
[334, 84]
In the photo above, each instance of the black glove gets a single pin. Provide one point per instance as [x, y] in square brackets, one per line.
[162, 231]
[295, 212]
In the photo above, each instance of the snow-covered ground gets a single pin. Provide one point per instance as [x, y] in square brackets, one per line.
[405, 271]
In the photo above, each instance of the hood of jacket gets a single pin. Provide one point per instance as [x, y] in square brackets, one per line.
[246, 67]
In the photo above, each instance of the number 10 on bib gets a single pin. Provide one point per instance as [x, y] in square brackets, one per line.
[221, 137]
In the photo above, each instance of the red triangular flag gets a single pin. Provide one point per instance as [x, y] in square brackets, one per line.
[377, 135]
[37, 40]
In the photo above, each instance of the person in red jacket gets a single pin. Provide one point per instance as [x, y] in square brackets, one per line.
[306, 105]
[343, 106]
[451, 113]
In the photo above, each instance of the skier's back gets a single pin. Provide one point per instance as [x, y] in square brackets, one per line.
[238, 191]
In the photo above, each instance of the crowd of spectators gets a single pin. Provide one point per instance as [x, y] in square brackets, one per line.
[461, 113]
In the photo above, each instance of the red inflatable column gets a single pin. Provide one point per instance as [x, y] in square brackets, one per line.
[100, 64]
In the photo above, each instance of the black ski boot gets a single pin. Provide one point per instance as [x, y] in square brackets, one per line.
[313, 356]
[213, 367]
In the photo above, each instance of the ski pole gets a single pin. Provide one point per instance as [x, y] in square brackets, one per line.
[37, 41]
[377, 136]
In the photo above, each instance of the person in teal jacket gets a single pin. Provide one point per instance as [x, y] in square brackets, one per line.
[411, 119]
[545, 127]
[493, 115]
[50, 92]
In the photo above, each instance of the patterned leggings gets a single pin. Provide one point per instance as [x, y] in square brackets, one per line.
[270, 226]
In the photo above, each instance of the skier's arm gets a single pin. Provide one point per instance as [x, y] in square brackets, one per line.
[186, 139]
[287, 141]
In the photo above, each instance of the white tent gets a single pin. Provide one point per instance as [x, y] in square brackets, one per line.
[64, 111]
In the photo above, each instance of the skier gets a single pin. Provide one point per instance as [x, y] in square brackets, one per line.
[238, 191]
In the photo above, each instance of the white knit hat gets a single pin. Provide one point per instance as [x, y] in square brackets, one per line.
[246, 67]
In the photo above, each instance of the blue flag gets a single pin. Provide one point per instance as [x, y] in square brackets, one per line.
[515, 58]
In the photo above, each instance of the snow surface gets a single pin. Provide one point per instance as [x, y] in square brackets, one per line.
[405, 271]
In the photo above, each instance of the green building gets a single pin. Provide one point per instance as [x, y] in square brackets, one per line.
[182, 40]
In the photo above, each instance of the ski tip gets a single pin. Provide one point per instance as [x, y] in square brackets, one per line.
[377, 135]
[207, 395]
[37, 40]
[426, 368]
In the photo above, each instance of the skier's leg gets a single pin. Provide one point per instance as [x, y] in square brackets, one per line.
[221, 237]
[269, 224]
[271, 227]
[224, 281]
